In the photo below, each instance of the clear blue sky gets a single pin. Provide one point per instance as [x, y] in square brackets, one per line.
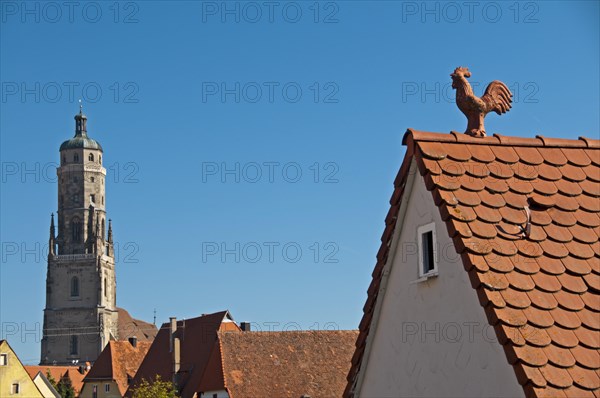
[366, 72]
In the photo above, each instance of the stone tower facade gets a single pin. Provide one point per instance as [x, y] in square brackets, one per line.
[81, 314]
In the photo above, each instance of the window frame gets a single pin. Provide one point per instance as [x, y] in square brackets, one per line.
[75, 287]
[423, 229]
[107, 387]
[17, 390]
[73, 345]
[4, 361]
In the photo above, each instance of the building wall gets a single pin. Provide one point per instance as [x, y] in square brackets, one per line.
[432, 338]
[14, 372]
[45, 390]
[88, 389]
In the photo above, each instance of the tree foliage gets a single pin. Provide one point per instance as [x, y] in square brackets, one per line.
[51, 379]
[65, 388]
[155, 389]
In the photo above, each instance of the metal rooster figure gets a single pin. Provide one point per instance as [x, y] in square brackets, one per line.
[497, 98]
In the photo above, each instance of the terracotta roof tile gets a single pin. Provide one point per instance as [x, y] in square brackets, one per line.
[584, 378]
[573, 173]
[541, 292]
[587, 338]
[556, 377]
[566, 319]
[505, 154]
[74, 373]
[538, 317]
[563, 337]
[542, 300]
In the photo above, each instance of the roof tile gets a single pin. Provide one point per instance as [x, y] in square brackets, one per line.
[549, 172]
[558, 356]
[588, 338]
[553, 156]
[584, 378]
[556, 377]
[586, 357]
[505, 154]
[542, 300]
[566, 319]
[525, 171]
[572, 173]
[589, 319]
[569, 301]
[532, 356]
[563, 337]
[539, 318]
[529, 155]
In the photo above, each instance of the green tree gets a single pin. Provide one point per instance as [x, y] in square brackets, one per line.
[155, 389]
[65, 388]
[51, 379]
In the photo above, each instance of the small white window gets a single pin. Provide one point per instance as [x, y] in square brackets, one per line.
[16, 388]
[427, 250]
[107, 388]
[3, 360]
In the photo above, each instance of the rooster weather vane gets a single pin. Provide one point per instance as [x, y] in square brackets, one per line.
[497, 98]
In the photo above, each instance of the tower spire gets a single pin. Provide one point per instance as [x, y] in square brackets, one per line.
[80, 122]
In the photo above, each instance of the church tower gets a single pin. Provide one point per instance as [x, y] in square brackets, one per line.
[81, 314]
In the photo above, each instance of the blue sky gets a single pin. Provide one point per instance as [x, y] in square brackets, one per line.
[251, 148]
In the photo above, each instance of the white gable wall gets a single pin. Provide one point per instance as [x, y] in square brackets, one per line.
[432, 338]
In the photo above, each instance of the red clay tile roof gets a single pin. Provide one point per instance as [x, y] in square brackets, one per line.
[283, 364]
[119, 361]
[130, 327]
[541, 292]
[60, 372]
[197, 338]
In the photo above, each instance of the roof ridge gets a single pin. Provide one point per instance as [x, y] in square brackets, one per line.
[498, 139]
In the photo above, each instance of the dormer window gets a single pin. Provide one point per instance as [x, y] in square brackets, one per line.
[427, 250]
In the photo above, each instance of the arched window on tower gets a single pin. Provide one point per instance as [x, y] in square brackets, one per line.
[74, 286]
[73, 345]
[100, 159]
[91, 157]
[103, 229]
[76, 229]
[105, 286]
[76, 158]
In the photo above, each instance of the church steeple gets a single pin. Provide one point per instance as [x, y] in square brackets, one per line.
[80, 261]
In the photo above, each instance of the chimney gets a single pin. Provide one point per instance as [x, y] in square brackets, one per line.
[245, 326]
[175, 351]
[133, 341]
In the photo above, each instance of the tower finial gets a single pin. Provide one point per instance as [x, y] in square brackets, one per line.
[80, 107]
